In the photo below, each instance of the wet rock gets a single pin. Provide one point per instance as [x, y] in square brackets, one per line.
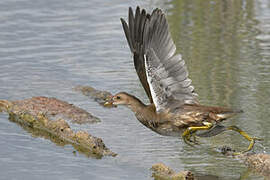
[260, 163]
[163, 172]
[39, 124]
[257, 162]
[53, 108]
[99, 96]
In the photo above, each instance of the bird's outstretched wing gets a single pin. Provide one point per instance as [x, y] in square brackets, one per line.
[134, 32]
[162, 72]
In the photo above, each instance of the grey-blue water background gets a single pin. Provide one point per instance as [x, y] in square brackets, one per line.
[49, 47]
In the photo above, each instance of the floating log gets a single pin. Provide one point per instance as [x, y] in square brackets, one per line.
[53, 108]
[38, 115]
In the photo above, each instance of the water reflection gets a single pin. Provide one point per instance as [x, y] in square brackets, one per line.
[215, 38]
[222, 44]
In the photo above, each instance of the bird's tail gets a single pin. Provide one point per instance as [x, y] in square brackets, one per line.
[228, 114]
[219, 114]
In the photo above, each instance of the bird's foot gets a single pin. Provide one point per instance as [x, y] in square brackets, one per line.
[251, 145]
[190, 132]
[190, 139]
[252, 140]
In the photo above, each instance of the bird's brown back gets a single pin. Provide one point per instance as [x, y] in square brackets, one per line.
[195, 115]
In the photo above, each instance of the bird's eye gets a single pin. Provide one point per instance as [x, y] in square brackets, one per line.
[118, 97]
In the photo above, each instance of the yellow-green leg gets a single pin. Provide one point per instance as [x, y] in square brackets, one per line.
[189, 132]
[245, 135]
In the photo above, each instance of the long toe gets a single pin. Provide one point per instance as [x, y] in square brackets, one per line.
[251, 145]
[195, 140]
[187, 140]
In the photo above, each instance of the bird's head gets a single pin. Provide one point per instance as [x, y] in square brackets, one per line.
[121, 98]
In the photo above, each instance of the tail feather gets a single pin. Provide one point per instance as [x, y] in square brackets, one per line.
[228, 114]
[221, 114]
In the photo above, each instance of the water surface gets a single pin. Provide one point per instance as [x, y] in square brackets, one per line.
[49, 47]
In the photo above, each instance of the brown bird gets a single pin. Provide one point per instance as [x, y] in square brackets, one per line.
[174, 109]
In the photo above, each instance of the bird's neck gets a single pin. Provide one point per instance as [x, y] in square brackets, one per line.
[144, 113]
[136, 105]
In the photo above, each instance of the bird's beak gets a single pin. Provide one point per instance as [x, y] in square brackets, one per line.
[109, 102]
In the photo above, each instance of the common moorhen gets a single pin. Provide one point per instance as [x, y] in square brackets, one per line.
[174, 109]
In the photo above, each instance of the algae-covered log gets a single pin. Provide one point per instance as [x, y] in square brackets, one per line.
[163, 172]
[30, 115]
[99, 96]
[53, 108]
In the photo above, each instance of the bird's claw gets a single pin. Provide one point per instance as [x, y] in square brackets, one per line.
[250, 147]
[257, 139]
[189, 141]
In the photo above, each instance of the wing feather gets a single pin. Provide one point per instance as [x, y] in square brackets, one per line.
[162, 72]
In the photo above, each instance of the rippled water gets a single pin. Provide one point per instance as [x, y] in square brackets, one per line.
[48, 47]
